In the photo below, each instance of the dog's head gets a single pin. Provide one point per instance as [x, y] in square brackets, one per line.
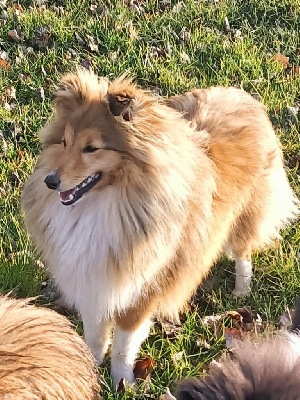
[103, 133]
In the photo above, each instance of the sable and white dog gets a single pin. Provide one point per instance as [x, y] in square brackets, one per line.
[42, 357]
[165, 186]
[267, 370]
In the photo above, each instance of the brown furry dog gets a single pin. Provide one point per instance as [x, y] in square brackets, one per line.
[147, 194]
[41, 356]
[267, 370]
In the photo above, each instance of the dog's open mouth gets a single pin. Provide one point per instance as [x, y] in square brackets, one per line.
[71, 196]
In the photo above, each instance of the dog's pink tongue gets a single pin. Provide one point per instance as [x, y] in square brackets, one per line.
[64, 196]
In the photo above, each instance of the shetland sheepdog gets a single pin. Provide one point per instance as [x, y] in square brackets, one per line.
[41, 356]
[135, 197]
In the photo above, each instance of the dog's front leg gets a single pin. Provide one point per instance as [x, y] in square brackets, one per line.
[97, 335]
[131, 330]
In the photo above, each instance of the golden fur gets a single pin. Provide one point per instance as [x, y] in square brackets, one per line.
[182, 179]
[41, 356]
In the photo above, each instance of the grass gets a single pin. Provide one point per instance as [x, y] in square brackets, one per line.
[210, 55]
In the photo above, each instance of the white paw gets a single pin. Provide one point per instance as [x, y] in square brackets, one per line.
[121, 371]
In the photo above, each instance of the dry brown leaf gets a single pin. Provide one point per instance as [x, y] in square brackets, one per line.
[143, 368]
[170, 330]
[281, 59]
[131, 29]
[13, 34]
[230, 335]
[4, 64]
[233, 315]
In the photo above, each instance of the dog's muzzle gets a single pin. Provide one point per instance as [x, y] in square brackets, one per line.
[52, 180]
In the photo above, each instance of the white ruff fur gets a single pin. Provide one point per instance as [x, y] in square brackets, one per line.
[82, 236]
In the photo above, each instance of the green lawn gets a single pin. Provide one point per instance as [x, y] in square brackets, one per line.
[170, 47]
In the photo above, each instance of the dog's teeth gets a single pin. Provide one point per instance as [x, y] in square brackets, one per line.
[71, 197]
[89, 180]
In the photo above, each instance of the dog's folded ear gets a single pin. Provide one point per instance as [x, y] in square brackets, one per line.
[121, 98]
[120, 106]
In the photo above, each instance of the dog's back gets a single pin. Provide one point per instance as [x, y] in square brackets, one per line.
[41, 356]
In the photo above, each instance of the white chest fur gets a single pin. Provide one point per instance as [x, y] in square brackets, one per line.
[82, 237]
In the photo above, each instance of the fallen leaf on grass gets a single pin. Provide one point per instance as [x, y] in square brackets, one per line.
[13, 34]
[177, 356]
[185, 58]
[156, 52]
[167, 396]
[3, 143]
[185, 35]
[164, 5]
[143, 368]
[295, 161]
[131, 30]
[170, 330]
[4, 64]
[232, 334]
[10, 91]
[42, 36]
[59, 10]
[72, 52]
[203, 343]
[178, 7]
[4, 15]
[281, 59]
[40, 93]
[91, 44]
[135, 6]
[293, 71]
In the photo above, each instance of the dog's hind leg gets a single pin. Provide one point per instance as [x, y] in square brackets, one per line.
[241, 245]
[131, 330]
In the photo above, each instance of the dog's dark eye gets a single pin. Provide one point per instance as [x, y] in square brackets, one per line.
[90, 149]
[64, 142]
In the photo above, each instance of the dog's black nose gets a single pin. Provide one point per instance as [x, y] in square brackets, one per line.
[52, 180]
